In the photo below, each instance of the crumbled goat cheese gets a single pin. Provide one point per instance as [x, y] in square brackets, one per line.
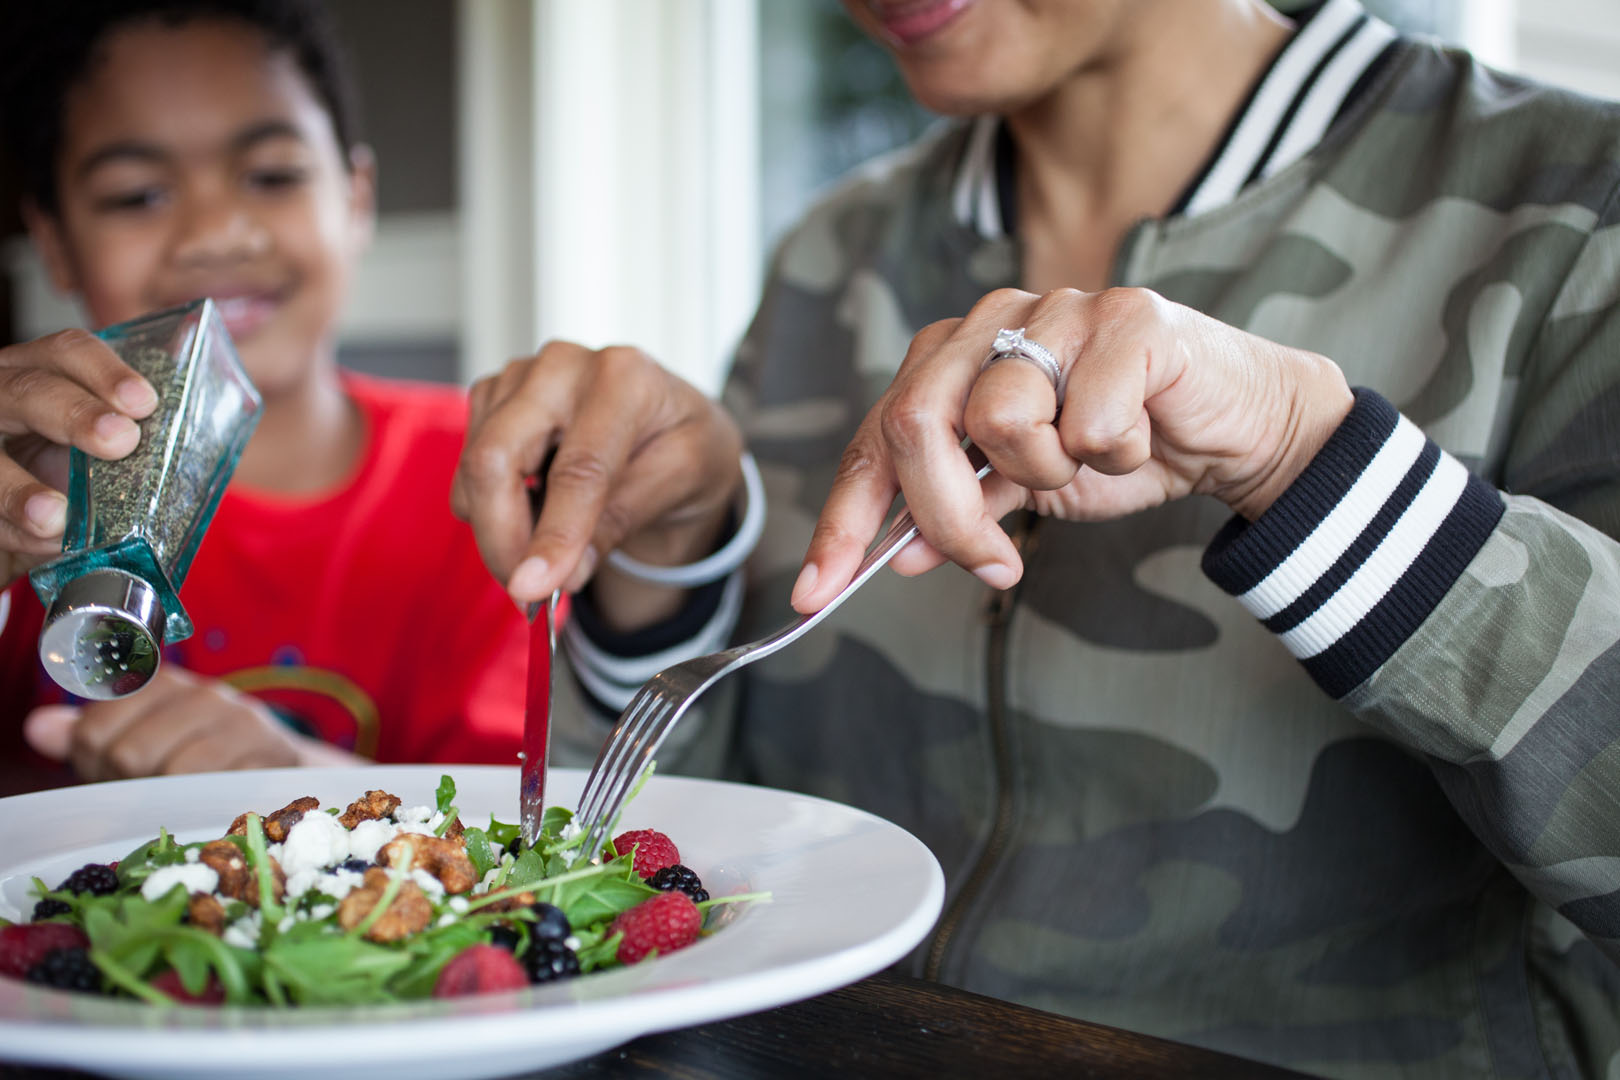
[244, 932]
[413, 815]
[194, 876]
[336, 883]
[314, 842]
[366, 837]
[193, 854]
[458, 904]
[425, 881]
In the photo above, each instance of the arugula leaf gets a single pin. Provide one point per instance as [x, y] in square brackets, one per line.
[331, 969]
[483, 859]
[501, 834]
[446, 795]
[259, 862]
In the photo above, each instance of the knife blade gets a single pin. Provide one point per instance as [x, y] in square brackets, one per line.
[537, 717]
[536, 748]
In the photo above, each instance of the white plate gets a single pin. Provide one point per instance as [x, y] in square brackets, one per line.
[851, 893]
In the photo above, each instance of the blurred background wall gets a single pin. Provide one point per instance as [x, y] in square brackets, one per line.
[616, 170]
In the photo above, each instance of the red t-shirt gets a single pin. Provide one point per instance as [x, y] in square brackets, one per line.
[363, 615]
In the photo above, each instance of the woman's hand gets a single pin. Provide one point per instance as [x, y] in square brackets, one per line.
[644, 462]
[1158, 402]
[179, 722]
[68, 389]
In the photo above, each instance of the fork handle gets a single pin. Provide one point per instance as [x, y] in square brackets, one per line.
[900, 533]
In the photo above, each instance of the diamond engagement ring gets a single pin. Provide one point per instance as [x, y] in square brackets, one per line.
[1014, 343]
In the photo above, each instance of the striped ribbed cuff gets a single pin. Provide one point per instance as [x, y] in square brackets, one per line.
[1357, 552]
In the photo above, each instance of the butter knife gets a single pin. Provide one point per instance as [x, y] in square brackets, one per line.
[536, 749]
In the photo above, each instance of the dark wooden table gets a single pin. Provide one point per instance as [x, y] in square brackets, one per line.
[890, 1026]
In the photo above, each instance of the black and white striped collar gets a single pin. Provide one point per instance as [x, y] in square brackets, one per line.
[1306, 87]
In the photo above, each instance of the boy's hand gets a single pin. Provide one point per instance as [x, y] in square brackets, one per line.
[644, 462]
[68, 389]
[179, 722]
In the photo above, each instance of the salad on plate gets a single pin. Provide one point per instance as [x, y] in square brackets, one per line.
[376, 902]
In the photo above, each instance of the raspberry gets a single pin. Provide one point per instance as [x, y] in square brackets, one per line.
[67, 969]
[93, 878]
[682, 878]
[654, 850]
[664, 923]
[550, 924]
[480, 969]
[169, 983]
[23, 946]
[49, 908]
[549, 960]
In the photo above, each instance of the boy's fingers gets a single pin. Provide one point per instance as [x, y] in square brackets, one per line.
[92, 363]
[49, 730]
[61, 410]
[75, 391]
[32, 514]
[131, 736]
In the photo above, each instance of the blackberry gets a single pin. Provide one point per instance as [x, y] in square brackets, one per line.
[550, 924]
[49, 907]
[67, 969]
[505, 937]
[359, 866]
[514, 846]
[549, 960]
[93, 878]
[682, 878]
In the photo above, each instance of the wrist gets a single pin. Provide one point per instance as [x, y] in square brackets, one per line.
[1319, 402]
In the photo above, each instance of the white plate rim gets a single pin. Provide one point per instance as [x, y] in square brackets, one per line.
[660, 1004]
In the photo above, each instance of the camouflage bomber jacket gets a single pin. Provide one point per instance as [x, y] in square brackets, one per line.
[1400, 857]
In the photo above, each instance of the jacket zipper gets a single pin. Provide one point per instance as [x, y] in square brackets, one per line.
[997, 614]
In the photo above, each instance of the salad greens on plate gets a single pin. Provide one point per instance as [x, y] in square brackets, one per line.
[377, 903]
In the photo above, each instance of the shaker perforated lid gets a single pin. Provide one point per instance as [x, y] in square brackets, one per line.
[103, 635]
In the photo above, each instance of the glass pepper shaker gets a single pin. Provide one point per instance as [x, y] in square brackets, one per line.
[134, 524]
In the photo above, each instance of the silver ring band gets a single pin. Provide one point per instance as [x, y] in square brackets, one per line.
[1014, 343]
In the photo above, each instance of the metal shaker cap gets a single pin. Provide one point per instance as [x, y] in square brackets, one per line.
[103, 635]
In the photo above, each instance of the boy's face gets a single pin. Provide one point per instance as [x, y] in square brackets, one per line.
[197, 162]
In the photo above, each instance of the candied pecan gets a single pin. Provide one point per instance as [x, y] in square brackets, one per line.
[205, 912]
[409, 911]
[236, 880]
[372, 806]
[515, 902]
[455, 829]
[229, 863]
[277, 824]
[444, 858]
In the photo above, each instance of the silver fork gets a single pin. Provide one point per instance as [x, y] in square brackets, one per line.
[664, 698]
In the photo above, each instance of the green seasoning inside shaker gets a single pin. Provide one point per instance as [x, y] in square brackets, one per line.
[134, 524]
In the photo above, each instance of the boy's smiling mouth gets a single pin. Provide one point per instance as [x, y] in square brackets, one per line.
[244, 311]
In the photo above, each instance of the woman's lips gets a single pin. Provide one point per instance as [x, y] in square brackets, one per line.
[909, 23]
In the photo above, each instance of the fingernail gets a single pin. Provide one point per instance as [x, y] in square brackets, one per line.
[114, 428]
[582, 573]
[135, 395]
[49, 730]
[806, 582]
[996, 575]
[529, 579]
[47, 512]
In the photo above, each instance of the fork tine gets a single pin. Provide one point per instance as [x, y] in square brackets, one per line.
[610, 759]
[654, 725]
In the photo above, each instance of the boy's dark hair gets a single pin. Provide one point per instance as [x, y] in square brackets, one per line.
[51, 46]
